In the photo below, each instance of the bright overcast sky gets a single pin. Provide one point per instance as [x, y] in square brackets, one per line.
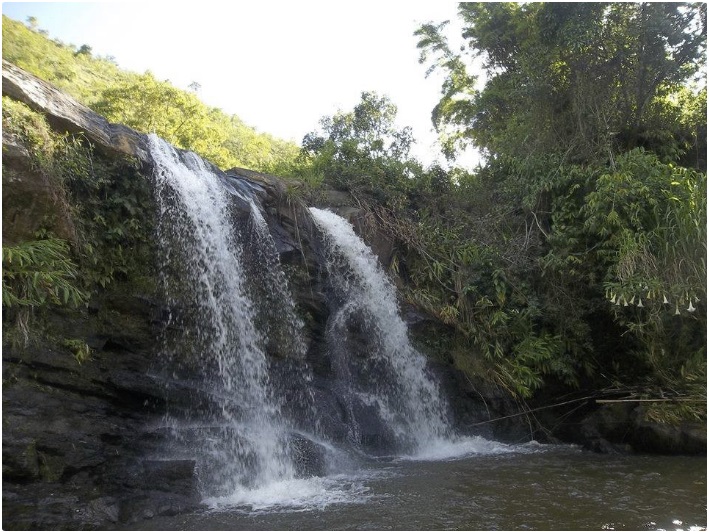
[280, 66]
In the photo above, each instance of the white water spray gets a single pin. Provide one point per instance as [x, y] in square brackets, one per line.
[242, 433]
[399, 385]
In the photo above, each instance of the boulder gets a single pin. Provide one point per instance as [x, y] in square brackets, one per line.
[623, 427]
[66, 114]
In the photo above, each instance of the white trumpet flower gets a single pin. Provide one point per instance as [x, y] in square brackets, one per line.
[691, 308]
[664, 300]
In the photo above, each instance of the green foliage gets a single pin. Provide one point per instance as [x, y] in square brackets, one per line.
[78, 74]
[363, 150]
[591, 121]
[578, 79]
[151, 106]
[461, 267]
[651, 218]
[35, 275]
[79, 348]
[106, 197]
[38, 273]
[109, 201]
[30, 129]
[147, 104]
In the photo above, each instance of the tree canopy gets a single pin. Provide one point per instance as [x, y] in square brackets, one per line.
[583, 80]
[592, 118]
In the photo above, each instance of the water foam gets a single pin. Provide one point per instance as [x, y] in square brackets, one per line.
[461, 447]
[295, 495]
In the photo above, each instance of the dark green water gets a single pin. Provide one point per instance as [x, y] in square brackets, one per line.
[528, 488]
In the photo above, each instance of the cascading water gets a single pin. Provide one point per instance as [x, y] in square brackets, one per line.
[239, 432]
[282, 327]
[233, 341]
[385, 373]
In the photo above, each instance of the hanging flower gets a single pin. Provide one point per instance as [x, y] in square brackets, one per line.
[664, 300]
[676, 310]
[612, 297]
[640, 302]
[690, 308]
[632, 300]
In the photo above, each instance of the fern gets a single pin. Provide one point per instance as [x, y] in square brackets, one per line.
[39, 273]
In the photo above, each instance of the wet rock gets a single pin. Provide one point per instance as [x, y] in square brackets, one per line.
[373, 435]
[623, 427]
[663, 438]
[102, 510]
[479, 408]
[308, 456]
[149, 504]
[31, 199]
[173, 476]
[20, 462]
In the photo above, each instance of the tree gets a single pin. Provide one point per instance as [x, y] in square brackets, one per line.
[85, 49]
[153, 106]
[363, 148]
[578, 79]
[586, 111]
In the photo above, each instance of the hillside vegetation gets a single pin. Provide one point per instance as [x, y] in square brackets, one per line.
[143, 102]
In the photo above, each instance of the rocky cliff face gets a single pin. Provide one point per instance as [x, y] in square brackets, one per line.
[79, 438]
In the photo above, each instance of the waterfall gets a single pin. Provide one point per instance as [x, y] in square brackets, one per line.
[381, 368]
[236, 426]
[281, 326]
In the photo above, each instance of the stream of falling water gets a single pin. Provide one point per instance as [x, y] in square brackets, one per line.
[395, 379]
[242, 438]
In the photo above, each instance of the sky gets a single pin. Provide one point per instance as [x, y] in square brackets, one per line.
[278, 65]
